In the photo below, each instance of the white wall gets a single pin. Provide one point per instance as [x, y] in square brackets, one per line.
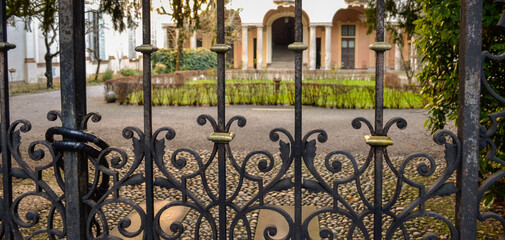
[318, 10]
[31, 44]
[16, 57]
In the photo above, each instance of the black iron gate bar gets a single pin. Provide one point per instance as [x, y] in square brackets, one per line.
[80, 205]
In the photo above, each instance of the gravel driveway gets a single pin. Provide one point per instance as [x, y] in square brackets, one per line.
[254, 136]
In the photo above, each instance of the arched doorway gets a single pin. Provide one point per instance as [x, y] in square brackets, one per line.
[283, 34]
[280, 24]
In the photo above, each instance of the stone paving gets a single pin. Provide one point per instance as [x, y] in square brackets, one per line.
[254, 136]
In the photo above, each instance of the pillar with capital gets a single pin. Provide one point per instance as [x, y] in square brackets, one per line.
[398, 57]
[244, 47]
[193, 40]
[269, 44]
[312, 47]
[327, 47]
[259, 42]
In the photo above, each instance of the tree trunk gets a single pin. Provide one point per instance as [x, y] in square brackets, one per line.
[49, 70]
[99, 61]
[180, 41]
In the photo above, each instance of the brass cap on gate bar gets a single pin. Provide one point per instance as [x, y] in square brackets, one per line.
[146, 48]
[378, 141]
[220, 48]
[298, 46]
[5, 46]
[220, 137]
[380, 46]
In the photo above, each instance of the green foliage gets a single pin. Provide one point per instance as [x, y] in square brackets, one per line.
[438, 41]
[187, 16]
[128, 72]
[262, 92]
[192, 59]
[19, 8]
[405, 13]
[186, 13]
[401, 30]
[159, 68]
[124, 13]
[108, 74]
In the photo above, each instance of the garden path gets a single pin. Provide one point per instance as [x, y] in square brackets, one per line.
[254, 136]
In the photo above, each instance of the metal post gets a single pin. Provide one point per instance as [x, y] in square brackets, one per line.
[147, 49]
[298, 122]
[73, 105]
[467, 204]
[221, 119]
[4, 125]
[379, 108]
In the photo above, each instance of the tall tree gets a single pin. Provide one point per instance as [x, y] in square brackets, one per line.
[45, 11]
[48, 19]
[123, 13]
[187, 16]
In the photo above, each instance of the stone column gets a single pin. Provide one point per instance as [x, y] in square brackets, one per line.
[398, 57]
[269, 45]
[164, 36]
[327, 56]
[193, 41]
[259, 54]
[312, 47]
[244, 47]
[306, 41]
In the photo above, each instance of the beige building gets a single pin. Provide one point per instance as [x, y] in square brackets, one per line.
[333, 30]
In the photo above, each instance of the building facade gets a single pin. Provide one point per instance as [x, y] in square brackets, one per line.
[334, 31]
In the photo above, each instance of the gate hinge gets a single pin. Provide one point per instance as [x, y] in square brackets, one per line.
[220, 137]
[378, 141]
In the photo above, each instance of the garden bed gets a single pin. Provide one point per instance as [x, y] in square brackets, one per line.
[323, 93]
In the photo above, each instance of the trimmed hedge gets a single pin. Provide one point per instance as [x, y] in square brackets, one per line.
[191, 59]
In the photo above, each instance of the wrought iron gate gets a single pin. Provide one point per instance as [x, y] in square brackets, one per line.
[78, 202]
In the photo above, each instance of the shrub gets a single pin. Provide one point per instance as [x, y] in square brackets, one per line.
[392, 80]
[159, 68]
[108, 74]
[191, 59]
[123, 87]
[128, 72]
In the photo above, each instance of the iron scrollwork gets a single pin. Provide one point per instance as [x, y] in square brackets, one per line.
[342, 206]
[488, 133]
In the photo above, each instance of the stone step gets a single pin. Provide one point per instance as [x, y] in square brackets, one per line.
[173, 214]
[272, 218]
[287, 65]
